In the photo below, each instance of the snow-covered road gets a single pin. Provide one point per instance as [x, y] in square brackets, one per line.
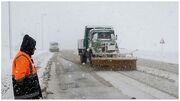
[70, 81]
[62, 76]
[151, 80]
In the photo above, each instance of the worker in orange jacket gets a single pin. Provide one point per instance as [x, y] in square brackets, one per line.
[24, 73]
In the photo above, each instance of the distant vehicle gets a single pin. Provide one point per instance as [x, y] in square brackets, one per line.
[54, 47]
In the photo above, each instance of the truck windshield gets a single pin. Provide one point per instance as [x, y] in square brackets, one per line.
[104, 35]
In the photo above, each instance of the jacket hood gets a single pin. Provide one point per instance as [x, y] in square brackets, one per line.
[28, 45]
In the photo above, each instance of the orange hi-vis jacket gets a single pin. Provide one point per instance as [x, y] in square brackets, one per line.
[22, 66]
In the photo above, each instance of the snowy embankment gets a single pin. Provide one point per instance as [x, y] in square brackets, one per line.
[42, 62]
[168, 57]
[150, 62]
[41, 59]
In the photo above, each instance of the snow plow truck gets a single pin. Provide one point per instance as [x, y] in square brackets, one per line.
[99, 48]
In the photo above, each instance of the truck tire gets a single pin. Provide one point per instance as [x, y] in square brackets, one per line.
[90, 56]
[83, 58]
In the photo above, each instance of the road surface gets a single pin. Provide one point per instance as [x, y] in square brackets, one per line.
[69, 79]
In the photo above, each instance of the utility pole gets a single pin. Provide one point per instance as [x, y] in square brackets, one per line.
[10, 31]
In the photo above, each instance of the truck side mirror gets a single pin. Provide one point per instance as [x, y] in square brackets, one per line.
[116, 37]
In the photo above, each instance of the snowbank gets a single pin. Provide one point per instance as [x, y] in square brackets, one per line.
[168, 57]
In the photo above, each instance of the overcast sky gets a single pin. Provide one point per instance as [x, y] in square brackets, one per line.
[138, 25]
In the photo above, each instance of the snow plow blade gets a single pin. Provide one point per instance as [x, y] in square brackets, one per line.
[120, 63]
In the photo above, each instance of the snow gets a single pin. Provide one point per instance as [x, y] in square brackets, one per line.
[42, 61]
[160, 73]
[54, 80]
[138, 26]
[170, 57]
[6, 82]
[70, 82]
[131, 87]
[128, 86]
[40, 58]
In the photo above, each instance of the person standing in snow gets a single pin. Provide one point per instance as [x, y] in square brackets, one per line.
[24, 74]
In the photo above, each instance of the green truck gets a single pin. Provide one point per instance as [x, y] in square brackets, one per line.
[99, 47]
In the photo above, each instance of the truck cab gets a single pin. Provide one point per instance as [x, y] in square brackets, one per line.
[102, 42]
[98, 41]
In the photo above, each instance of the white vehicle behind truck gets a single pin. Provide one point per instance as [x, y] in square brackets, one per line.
[54, 47]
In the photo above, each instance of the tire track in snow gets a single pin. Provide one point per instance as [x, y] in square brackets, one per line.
[163, 87]
[132, 87]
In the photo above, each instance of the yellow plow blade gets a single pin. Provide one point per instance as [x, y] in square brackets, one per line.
[120, 63]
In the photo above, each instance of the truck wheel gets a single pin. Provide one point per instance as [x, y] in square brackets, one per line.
[81, 58]
[84, 59]
[90, 56]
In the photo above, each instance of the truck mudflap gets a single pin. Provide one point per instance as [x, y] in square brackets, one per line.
[122, 63]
